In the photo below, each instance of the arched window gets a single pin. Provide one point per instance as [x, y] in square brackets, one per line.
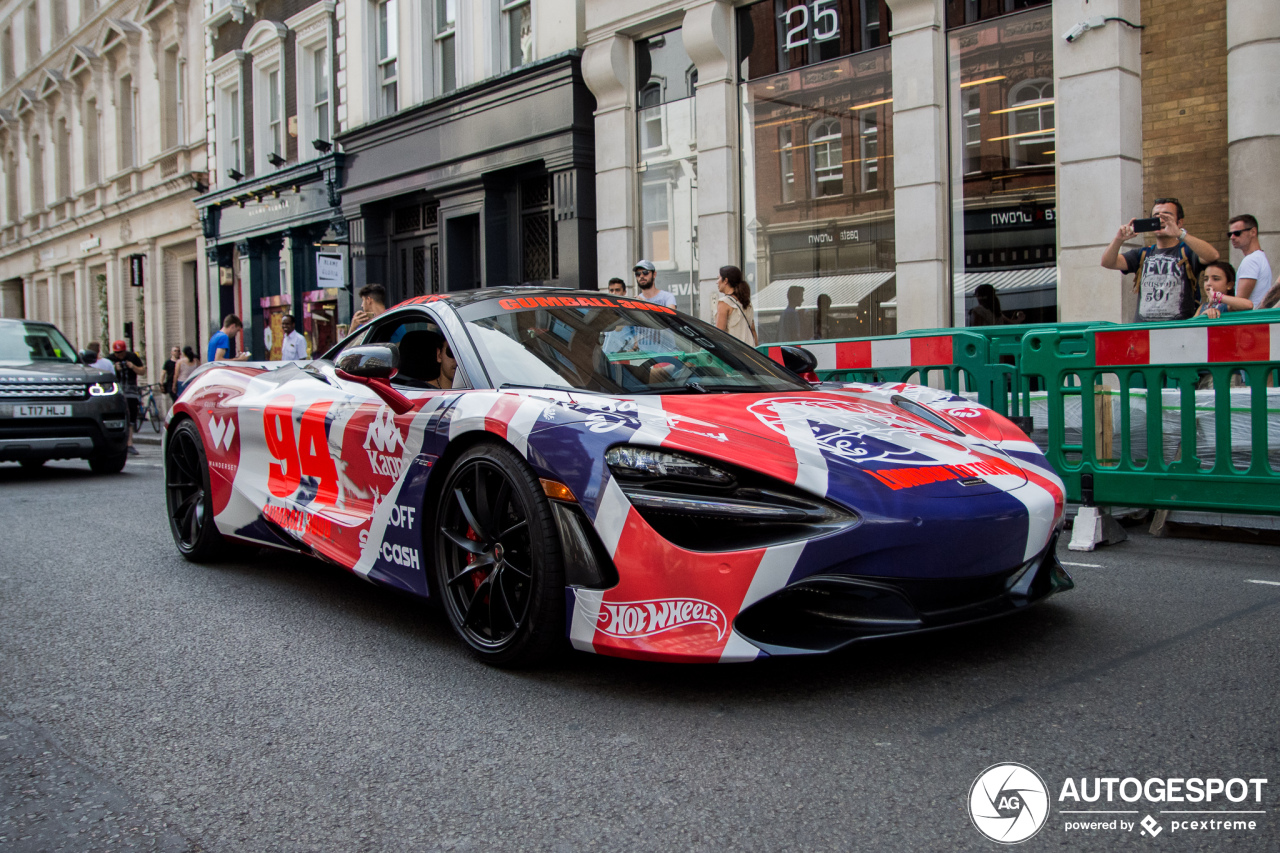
[1031, 125]
[826, 152]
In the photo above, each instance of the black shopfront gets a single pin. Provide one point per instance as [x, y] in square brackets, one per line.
[490, 185]
[277, 245]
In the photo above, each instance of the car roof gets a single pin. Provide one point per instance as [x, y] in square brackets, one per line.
[462, 298]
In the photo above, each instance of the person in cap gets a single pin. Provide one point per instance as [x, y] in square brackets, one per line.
[646, 272]
[128, 367]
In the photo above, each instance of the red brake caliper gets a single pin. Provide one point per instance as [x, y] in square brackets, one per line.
[477, 578]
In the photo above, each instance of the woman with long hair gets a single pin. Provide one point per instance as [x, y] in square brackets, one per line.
[734, 313]
[1218, 291]
[185, 367]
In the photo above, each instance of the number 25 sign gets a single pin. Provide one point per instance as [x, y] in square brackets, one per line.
[796, 20]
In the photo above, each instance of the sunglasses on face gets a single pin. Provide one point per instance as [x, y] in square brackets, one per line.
[1238, 233]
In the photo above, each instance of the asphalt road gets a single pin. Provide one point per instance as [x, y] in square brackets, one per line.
[280, 704]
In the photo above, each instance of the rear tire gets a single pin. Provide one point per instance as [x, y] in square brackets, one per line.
[108, 463]
[498, 565]
[153, 414]
[188, 497]
[32, 464]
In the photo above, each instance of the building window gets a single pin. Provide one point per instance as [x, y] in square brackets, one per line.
[126, 114]
[229, 120]
[275, 114]
[58, 19]
[90, 119]
[446, 45]
[386, 53]
[825, 153]
[6, 46]
[33, 34]
[655, 206]
[870, 24]
[172, 113]
[37, 175]
[62, 150]
[869, 155]
[788, 162]
[11, 187]
[972, 118]
[517, 32]
[651, 123]
[88, 8]
[320, 92]
[1031, 125]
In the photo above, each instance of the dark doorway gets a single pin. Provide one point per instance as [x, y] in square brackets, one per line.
[463, 257]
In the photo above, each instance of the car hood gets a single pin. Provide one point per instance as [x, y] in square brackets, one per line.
[819, 440]
[53, 371]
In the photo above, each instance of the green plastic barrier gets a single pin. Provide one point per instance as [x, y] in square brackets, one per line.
[1215, 449]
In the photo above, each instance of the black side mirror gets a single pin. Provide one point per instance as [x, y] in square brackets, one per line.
[371, 361]
[798, 360]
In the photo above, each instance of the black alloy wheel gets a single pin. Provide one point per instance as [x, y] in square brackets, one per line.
[498, 567]
[187, 495]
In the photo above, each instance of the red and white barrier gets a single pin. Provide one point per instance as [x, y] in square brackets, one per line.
[1193, 345]
[887, 352]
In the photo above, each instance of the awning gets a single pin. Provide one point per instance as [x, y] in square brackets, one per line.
[1009, 281]
[846, 291]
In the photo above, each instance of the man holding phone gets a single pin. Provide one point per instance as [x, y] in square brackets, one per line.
[1166, 274]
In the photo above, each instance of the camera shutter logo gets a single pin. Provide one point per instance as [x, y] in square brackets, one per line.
[1009, 803]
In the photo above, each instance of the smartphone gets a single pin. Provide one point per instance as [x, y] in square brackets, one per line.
[1152, 224]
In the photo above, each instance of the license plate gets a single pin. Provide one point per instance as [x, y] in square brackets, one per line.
[42, 411]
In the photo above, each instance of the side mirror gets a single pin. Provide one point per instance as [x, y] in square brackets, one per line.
[372, 361]
[798, 360]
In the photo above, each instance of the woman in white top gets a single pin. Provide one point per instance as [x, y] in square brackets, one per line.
[734, 313]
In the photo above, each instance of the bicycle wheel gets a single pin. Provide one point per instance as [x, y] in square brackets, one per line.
[153, 414]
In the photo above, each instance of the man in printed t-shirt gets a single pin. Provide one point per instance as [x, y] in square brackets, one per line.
[1167, 274]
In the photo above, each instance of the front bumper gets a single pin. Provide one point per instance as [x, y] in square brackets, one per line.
[822, 613]
[96, 427]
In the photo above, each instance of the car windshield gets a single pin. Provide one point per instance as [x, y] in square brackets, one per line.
[614, 346]
[23, 343]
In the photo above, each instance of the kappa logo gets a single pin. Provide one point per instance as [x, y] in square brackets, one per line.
[381, 440]
[222, 432]
[633, 619]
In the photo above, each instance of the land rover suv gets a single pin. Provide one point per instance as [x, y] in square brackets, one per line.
[54, 407]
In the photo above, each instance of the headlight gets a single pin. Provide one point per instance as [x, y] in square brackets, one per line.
[699, 506]
[644, 463]
[925, 413]
[103, 389]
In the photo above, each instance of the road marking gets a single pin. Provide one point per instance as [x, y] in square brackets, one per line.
[1083, 565]
[1096, 811]
[1268, 583]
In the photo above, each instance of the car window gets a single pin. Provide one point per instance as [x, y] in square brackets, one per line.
[426, 356]
[24, 343]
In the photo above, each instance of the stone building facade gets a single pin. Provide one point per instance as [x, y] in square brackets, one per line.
[102, 139]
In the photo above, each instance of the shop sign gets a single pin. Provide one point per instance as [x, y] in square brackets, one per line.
[136, 270]
[328, 270]
[1010, 218]
[90, 244]
[310, 202]
[838, 235]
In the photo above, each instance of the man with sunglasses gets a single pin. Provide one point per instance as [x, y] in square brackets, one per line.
[1166, 274]
[448, 367]
[1253, 278]
[646, 272]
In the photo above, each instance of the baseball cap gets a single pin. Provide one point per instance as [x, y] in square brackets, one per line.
[644, 265]
[119, 346]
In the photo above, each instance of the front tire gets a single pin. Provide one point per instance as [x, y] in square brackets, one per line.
[187, 495]
[108, 463]
[498, 565]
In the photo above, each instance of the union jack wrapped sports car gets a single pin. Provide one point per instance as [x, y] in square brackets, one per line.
[550, 464]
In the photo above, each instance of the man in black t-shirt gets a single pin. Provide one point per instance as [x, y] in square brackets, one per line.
[128, 368]
[1167, 274]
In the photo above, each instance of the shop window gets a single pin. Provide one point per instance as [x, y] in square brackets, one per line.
[446, 41]
[1004, 199]
[825, 153]
[517, 32]
[819, 254]
[962, 12]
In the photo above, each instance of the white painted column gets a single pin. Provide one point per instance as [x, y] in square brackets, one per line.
[1253, 119]
[607, 71]
[29, 297]
[84, 311]
[708, 34]
[920, 163]
[153, 298]
[1098, 86]
[115, 300]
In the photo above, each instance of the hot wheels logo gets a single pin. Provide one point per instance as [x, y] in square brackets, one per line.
[631, 619]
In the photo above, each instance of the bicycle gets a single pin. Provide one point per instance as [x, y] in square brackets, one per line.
[149, 408]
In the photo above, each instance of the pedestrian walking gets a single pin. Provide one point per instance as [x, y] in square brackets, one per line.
[294, 346]
[186, 366]
[646, 273]
[1166, 273]
[734, 313]
[1253, 279]
[128, 367]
